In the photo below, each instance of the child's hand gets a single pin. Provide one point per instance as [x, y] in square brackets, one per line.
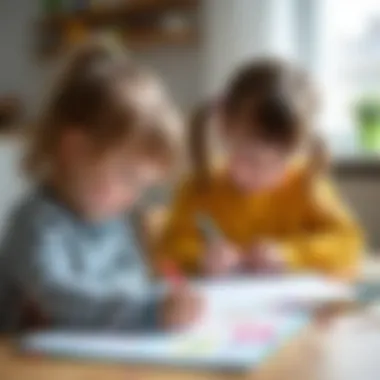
[221, 258]
[180, 309]
[265, 258]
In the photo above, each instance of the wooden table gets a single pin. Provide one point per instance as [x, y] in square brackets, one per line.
[290, 363]
[301, 359]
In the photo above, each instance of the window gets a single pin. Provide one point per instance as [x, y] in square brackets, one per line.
[345, 58]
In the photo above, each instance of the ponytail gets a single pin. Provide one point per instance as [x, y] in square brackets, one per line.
[198, 142]
[318, 158]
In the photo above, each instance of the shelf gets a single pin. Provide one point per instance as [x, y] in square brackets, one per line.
[142, 24]
[140, 41]
[110, 14]
[145, 40]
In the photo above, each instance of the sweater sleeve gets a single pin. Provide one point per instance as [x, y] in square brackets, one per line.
[181, 242]
[67, 293]
[331, 240]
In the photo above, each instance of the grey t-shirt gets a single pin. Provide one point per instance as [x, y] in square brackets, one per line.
[80, 275]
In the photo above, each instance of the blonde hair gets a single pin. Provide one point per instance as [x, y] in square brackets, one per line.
[105, 94]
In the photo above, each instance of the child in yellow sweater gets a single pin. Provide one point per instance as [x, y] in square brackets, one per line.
[272, 201]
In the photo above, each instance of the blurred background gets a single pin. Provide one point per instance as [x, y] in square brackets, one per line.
[194, 45]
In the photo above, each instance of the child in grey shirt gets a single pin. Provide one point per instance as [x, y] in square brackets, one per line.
[69, 249]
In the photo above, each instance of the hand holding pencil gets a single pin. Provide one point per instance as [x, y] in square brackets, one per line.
[265, 258]
[182, 306]
[221, 257]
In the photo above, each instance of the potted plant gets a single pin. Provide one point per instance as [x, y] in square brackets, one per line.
[368, 121]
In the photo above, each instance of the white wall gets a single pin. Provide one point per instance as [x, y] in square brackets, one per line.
[19, 72]
[12, 183]
[180, 69]
[238, 30]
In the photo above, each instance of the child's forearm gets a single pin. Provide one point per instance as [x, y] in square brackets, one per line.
[332, 252]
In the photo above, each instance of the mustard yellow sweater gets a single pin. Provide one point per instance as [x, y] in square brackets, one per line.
[304, 216]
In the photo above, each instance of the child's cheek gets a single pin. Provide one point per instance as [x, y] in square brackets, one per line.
[101, 195]
[256, 179]
[269, 179]
[248, 177]
[242, 172]
[119, 198]
[128, 198]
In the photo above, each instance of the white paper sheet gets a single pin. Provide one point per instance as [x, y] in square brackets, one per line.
[226, 350]
[241, 326]
[230, 300]
[351, 349]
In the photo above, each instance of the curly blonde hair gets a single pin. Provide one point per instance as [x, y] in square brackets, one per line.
[105, 94]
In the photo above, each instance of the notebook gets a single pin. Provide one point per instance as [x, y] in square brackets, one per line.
[245, 295]
[237, 348]
[245, 321]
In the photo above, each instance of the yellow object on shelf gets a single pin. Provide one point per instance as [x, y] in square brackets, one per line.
[76, 32]
[98, 4]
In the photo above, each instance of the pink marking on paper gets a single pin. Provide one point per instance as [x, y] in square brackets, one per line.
[251, 333]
